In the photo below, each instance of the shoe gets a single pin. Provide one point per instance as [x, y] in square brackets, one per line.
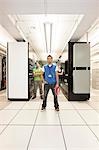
[43, 108]
[41, 97]
[33, 97]
[57, 109]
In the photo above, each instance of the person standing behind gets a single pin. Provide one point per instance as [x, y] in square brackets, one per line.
[60, 73]
[37, 73]
[50, 79]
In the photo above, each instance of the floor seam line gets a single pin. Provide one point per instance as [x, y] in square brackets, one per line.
[93, 108]
[11, 120]
[32, 130]
[88, 126]
[62, 133]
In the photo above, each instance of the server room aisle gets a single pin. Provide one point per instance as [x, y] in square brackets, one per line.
[24, 127]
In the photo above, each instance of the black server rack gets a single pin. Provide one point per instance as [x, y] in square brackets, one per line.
[3, 82]
[76, 85]
[31, 81]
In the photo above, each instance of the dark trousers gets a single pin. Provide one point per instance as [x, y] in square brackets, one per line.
[47, 87]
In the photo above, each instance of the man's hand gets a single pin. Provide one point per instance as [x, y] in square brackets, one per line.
[57, 85]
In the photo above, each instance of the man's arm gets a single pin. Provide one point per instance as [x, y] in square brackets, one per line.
[60, 73]
[57, 78]
[42, 73]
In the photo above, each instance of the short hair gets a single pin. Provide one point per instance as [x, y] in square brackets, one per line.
[49, 56]
[37, 62]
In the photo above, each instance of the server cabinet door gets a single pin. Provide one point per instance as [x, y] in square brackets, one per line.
[17, 70]
[81, 82]
[81, 65]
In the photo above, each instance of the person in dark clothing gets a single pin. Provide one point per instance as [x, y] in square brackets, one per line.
[60, 73]
[50, 82]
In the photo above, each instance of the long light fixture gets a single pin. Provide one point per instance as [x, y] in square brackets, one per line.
[48, 36]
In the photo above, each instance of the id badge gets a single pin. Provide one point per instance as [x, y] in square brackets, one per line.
[50, 76]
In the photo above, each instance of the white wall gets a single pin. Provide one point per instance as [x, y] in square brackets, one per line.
[93, 38]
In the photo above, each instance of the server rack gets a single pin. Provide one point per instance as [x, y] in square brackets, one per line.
[31, 81]
[76, 85]
[18, 71]
[3, 82]
[2, 72]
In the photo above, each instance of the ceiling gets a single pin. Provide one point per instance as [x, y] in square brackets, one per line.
[49, 6]
[32, 26]
[66, 13]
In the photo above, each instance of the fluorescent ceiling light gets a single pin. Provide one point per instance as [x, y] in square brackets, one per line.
[48, 36]
[53, 31]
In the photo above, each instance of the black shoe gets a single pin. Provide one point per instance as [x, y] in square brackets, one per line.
[33, 97]
[57, 109]
[43, 108]
[41, 97]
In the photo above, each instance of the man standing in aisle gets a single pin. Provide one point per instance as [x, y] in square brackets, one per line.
[37, 73]
[50, 78]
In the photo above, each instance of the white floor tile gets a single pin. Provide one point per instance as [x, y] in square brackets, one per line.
[15, 138]
[47, 138]
[69, 117]
[47, 133]
[80, 138]
[90, 116]
[94, 99]
[7, 115]
[37, 99]
[81, 105]
[15, 105]
[3, 104]
[48, 117]
[32, 105]
[25, 117]
[62, 105]
[50, 99]
[50, 105]
[65, 105]
[62, 98]
[1, 128]
[94, 105]
[95, 129]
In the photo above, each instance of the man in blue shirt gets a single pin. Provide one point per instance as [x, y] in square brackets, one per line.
[50, 79]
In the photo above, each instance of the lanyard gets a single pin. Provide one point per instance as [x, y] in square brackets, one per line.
[49, 71]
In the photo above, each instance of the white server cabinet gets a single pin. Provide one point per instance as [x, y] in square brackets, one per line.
[17, 71]
[81, 68]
